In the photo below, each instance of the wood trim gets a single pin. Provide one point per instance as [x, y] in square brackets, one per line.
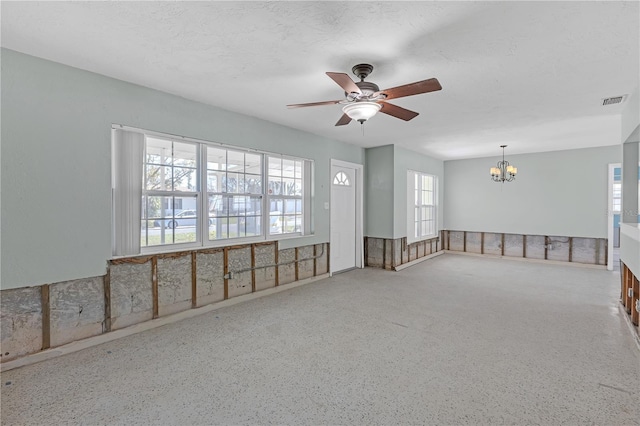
[524, 245]
[606, 252]
[253, 270]
[546, 249]
[482, 243]
[277, 276]
[175, 255]
[502, 245]
[393, 254]
[315, 260]
[263, 243]
[136, 260]
[154, 285]
[570, 249]
[107, 300]
[297, 268]
[403, 249]
[226, 271]
[328, 257]
[46, 316]
[384, 253]
[212, 250]
[597, 251]
[366, 254]
[448, 240]
[464, 241]
[635, 315]
[194, 281]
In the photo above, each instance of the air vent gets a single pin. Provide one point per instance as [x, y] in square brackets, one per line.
[614, 100]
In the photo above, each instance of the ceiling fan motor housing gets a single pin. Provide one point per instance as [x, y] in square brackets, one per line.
[367, 87]
[362, 70]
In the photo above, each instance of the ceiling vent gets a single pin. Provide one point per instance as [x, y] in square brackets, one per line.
[614, 100]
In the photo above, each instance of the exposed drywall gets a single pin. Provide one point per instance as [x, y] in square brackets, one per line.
[265, 255]
[591, 251]
[305, 267]
[239, 264]
[287, 268]
[21, 322]
[76, 309]
[390, 254]
[405, 160]
[379, 186]
[55, 170]
[174, 284]
[51, 315]
[555, 193]
[209, 277]
[131, 294]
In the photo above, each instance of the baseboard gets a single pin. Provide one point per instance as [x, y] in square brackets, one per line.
[416, 261]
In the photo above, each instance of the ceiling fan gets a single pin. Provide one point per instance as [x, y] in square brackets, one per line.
[363, 99]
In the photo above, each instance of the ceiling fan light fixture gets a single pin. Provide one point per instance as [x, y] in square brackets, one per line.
[361, 111]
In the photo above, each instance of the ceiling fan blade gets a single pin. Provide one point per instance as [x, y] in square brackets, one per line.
[344, 81]
[345, 119]
[425, 86]
[398, 112]
[313, 104]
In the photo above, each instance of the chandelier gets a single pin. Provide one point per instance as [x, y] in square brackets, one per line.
[504, 171]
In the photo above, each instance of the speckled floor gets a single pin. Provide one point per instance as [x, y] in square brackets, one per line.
[454, 340]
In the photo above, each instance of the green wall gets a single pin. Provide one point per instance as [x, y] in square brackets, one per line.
[56, 149]
[379, 185]
[405, 160]
[386, 188]
[560, 193]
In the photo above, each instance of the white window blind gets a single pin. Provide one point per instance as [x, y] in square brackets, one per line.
[127, 152]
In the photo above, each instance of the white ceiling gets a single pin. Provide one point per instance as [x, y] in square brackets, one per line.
[528, 74]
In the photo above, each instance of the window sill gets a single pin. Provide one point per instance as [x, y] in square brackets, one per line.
[150, 251]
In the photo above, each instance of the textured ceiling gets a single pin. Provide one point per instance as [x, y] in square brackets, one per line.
[528, 74]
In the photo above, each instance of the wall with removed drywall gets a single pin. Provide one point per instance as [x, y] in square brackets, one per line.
[56, 162]
[555, 193]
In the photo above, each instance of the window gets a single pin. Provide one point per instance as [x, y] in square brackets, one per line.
[617, 197]
[199, 194]
[285, 195]
[234, 193]
[341, 179]
[170, 178]
[421, 206]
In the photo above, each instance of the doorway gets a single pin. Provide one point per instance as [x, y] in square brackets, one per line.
[346, 182]
[614, 206]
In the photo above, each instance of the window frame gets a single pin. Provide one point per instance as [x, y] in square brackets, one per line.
[196, 194]
[201, 195]
[419, 206]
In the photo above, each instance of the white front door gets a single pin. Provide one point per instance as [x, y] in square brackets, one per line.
[343, 218]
